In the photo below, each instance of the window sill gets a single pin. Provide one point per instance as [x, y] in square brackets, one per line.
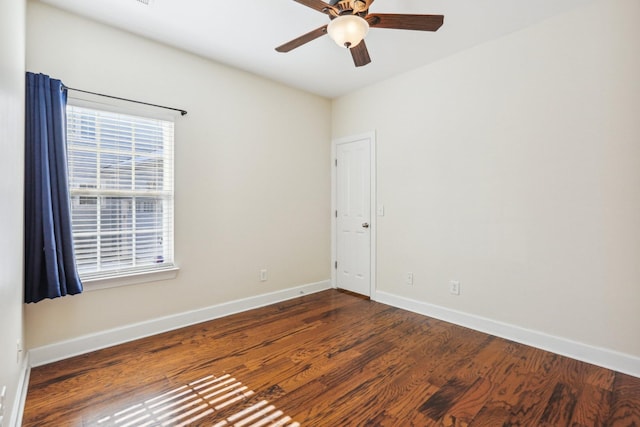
[130, 279]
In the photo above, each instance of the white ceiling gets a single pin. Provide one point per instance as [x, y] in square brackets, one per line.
[244, 34]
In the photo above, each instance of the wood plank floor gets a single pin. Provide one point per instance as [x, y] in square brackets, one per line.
[328, 359]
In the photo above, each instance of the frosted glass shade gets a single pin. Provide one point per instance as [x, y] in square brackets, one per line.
[348, 30]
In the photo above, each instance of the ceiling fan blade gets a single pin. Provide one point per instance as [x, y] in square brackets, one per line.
[305, 38]
[360, 54]
[318, 5]
[405, 22]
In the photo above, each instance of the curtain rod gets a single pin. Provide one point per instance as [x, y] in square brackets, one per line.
[182, 112]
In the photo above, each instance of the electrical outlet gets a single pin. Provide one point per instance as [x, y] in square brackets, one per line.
[409, 279]
[454, 287]
[263, 275]
[2, 403]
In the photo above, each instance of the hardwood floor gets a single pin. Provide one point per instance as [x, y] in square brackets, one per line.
[328, 359]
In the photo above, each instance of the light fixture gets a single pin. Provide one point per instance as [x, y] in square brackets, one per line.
[348, 30]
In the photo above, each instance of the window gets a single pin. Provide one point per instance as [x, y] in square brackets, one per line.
[121, 187]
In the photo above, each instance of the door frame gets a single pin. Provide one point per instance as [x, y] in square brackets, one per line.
[371, 137]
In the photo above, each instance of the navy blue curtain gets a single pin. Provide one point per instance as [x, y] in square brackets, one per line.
[50, 267]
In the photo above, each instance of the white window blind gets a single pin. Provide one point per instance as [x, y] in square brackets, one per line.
[121, 187]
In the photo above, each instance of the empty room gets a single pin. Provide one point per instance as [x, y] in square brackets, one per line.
[320, 213]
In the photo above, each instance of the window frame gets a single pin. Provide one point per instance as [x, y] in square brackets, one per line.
[132, 277]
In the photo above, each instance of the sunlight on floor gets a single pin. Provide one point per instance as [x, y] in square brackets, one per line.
[186, 405]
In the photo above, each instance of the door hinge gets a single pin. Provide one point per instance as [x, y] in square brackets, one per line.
[336, 213]
[336, 162]
[335, 265]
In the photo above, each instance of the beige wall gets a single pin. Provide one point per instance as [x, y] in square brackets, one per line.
[514, 167]
[252, 174]
[12, 28]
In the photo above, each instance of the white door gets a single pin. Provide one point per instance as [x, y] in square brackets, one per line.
[353, 217]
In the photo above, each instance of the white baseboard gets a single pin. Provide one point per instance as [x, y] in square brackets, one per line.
[21, 393]
[85, 344]
[609, 359]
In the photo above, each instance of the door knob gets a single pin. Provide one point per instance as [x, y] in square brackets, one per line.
[365, 225]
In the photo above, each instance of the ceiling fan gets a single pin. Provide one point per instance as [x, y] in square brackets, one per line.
[350, 21]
